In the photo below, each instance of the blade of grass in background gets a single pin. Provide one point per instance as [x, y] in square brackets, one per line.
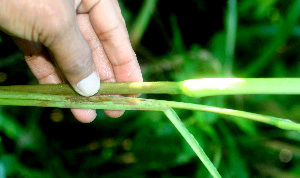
[10, 127]
[280, 38]
[179, 46]
[142, 21]
[231, 22]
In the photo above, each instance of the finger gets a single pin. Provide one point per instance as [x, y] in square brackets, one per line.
[84, 115]
[112, 13]
[43, 69]
[99, 56]
[109, 26]
[114, 113]
[38, 61]
[100, 59]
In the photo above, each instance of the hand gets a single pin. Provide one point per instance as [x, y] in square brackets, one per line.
[87, 39]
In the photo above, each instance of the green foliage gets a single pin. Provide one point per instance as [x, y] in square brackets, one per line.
[142, 21]
[36, 142]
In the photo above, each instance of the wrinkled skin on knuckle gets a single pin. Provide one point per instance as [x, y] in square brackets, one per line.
[35, 20]
[16, 21]
[56, 19]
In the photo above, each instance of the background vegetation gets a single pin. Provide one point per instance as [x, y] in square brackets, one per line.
[173, 41]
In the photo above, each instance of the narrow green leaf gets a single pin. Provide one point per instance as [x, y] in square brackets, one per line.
[142, 21]
[171, 114]
[231, 22]
[10, 127]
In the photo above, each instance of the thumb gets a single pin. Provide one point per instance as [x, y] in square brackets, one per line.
[54, 24]
[73, 56]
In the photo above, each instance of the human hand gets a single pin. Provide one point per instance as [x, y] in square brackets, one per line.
[87, 39]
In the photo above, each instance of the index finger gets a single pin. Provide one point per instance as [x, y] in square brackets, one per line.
[110, 28]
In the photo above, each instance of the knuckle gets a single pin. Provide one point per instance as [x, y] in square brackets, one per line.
[111, 33]
[55, 20]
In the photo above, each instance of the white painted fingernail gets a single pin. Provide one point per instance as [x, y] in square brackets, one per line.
[89, 86]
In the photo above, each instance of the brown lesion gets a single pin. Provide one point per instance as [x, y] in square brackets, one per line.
[77, 98]
[109, 100]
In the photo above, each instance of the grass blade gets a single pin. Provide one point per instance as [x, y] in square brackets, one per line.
[142, 21]
[171, 114]
[231, 22]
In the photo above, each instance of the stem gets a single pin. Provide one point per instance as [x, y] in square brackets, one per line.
[94, 102]
[194, 88]
[239, 86]
[118, 103]
[106, 88]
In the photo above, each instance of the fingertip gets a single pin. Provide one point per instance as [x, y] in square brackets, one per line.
[84, 115]
[114, 113]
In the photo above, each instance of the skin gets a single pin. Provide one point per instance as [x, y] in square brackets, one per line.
[79, 37]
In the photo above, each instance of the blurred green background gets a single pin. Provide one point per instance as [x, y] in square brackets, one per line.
[174, 41]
